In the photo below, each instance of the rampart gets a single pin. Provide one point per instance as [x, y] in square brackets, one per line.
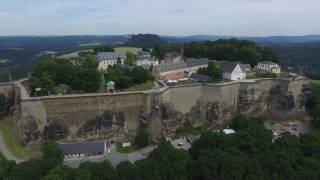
[71, 118]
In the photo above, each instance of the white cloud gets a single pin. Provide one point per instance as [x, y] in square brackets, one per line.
[171, 17]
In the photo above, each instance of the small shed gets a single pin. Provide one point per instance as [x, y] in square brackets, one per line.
[110, 87]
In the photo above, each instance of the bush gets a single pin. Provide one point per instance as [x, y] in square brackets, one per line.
[125, 77]
[142, 138]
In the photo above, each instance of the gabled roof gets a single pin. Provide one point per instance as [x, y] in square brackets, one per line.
[103, 56]
[197, 62]
[83, 148]
[268, 63]
[148, 58]
[200, 77]
[228, 66]
[244, 67]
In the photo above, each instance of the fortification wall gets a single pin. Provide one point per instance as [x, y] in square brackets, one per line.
[81, 117]
[102, 116]
[184, 97]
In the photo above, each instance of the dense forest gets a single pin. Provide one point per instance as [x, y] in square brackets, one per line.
[303, 58]
[247, 154]
[230, 50]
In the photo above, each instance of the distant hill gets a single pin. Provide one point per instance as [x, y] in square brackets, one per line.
[60, 44]
[18, 53]
[257, 39]
[144, 40]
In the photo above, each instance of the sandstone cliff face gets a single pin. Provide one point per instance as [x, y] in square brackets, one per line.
[83, 118]
[276, 98]
[7, 100]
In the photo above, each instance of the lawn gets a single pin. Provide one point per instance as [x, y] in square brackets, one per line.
[126, 150]
[128, 49]
[8, 133]
[141, 87]
[317, 82]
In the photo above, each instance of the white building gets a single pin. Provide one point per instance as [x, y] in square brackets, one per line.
[232, 71]
[146, 60]
[269, 67]
[110, 58]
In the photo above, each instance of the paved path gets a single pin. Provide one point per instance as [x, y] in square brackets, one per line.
[5, 151]
[114, 157]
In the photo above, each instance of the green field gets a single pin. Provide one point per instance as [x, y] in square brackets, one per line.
[141, 87]
[8, 133]
[128, 49]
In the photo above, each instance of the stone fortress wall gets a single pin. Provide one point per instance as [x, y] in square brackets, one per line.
[73, 118]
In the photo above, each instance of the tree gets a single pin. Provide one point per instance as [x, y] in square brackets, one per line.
[87, 77]
[127, 171]
[52, 154]
[241, 122]
[146, 49]
[142, 138]
[96, 171]
[138, 75]
[269, 55]
[313, 104]
[61, 172]
[6, 168]
[102, 49]
[131, 58]
[213, 70]
[30, 170]
[249, 56]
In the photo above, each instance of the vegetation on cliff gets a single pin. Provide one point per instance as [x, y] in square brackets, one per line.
[54, 75]
[125, 77]
[213, 70]
[230, 50]
[247, 154]
[313, 103]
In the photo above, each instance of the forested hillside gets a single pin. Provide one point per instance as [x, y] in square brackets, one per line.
[144, 41]
[229, 50]
[301, 57]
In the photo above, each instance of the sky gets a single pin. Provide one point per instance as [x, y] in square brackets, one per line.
[163, 17]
